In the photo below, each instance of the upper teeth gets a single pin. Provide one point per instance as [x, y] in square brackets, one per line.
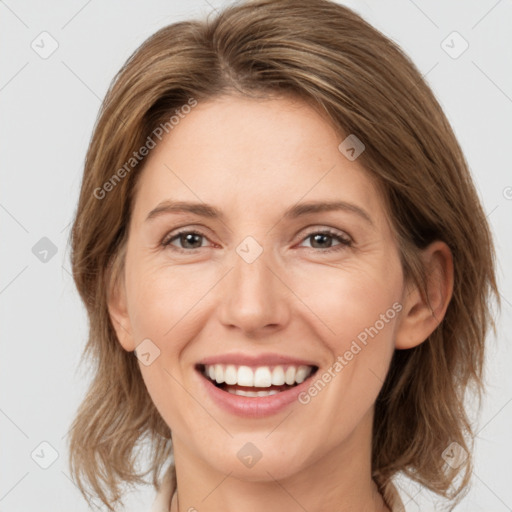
[259, 377]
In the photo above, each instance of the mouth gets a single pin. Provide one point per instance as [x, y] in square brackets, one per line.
[256, 381]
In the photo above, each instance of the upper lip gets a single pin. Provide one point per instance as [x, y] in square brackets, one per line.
[239, 359]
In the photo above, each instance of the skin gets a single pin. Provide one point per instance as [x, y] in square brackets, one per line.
[252, 159]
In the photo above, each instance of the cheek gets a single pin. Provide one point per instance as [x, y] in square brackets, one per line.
[163, 300]
[164, 304]
[162, 310]
[351, 300]
[362, 308]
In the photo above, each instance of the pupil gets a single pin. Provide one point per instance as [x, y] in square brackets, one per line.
[321, 236]
[189, 238]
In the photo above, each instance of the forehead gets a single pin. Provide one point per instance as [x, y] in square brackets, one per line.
[253, 156]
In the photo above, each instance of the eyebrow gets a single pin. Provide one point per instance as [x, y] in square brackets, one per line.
[298, 210]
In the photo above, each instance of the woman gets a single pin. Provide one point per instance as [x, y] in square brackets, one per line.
[286, 269]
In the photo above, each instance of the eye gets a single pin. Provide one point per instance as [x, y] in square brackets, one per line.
[190, 240]
[323, 240]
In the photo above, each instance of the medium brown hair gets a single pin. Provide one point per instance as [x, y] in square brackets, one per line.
[365, 85]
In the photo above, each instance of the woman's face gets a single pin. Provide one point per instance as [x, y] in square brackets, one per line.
[260, 286]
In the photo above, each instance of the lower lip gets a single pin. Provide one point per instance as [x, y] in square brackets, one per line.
[253, 407]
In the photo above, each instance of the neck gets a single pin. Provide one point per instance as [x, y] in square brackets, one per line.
[339, 480]
[375, 503]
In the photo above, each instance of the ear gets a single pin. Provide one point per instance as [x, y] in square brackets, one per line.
[420, 317]
[118, 312]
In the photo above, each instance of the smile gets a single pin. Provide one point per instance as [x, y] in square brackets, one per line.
[239, 380]
[254, 391]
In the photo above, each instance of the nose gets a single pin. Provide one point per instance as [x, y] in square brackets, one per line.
[254, 298]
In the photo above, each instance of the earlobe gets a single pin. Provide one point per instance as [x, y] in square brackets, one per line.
[421, 315]
[119, 317]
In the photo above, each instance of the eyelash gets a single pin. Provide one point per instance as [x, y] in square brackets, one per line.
[344, 241]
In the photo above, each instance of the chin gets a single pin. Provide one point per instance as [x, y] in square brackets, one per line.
[256, 461]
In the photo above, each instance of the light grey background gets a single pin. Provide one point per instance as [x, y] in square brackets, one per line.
[48, 109]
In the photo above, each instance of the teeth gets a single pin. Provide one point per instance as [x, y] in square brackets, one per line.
[230, 375]
[263, 377]
[260, 377]
[289, 377]
[245, 375]
[301, 374]
[278, 376]
[219, 374]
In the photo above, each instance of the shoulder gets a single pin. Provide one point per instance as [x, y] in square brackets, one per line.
[392, 498]
[164, 494]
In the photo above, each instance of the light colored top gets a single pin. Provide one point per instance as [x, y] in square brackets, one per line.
[163, 497]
